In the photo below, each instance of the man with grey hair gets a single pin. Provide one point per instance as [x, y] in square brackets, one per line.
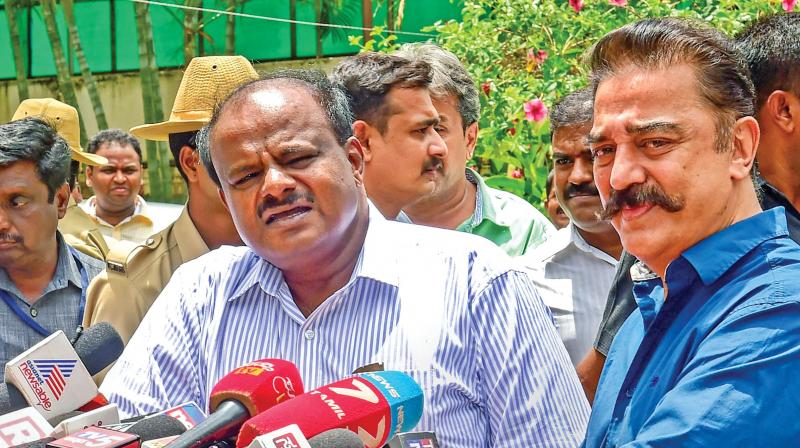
[43, 281]
[574, 269]
[461, 200]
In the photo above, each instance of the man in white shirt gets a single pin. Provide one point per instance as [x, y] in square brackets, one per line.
[116, 206]
[574, 268]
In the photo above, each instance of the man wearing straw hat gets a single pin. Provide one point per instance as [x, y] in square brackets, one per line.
[123, 294]
[78, 229]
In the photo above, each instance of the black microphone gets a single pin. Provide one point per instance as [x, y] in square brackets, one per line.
[98, 347]
[157, 427]
[336, 438]
[11, 399]
[41, 443]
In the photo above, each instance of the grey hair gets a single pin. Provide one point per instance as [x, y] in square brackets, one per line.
[32, 139]
[449, 77]
[575, 109]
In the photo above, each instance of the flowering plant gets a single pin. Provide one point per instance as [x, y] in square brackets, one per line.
[525, 55]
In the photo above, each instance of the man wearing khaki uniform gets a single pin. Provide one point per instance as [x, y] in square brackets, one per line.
[77, 228]
[132, 281]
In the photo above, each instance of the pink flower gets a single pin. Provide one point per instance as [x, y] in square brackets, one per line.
[788, 5]
[535, 110]
[618, 2]
[516, 174]
[538, 56]
[577, 5]
[487, 89]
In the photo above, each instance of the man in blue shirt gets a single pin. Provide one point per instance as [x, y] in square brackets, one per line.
[711, 354]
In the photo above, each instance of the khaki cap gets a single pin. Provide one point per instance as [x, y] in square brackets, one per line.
[206, 81]
[64, 118]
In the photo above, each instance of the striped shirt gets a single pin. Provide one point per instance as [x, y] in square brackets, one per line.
[573, 278]
[445, 307]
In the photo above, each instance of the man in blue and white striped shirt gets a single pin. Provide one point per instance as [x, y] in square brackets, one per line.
[327, 283]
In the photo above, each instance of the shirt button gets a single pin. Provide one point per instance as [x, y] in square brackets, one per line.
[309, 334]
[629, 392]
[34, 312]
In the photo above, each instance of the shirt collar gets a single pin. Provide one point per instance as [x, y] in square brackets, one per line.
[140, 211]
[582, 245]
[377, 260]
[190, 243]
[66, 271]
[732, 243]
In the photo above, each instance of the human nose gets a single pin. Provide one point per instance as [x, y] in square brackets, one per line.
[119, 176]
[277, 183]
[581, 172]
[436, 145]
[626, 168]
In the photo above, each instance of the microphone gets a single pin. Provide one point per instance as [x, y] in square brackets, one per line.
[189, 414]
[11, 399]
[414, 440]
[106, 415]
[23, 426]
[97, 437]
[157, 427]
[336, 438]
[288, 436]
[241, 394]
[51, 377]
[98, 347]
[374, 405]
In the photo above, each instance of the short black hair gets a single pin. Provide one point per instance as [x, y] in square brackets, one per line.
[368, 77]
[117, 136]
[771, 48]
[32, 139]
[177, 141]
[575, 109]
[330, 97]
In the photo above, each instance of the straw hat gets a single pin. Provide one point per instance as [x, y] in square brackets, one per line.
[64, 119]
[206, 81]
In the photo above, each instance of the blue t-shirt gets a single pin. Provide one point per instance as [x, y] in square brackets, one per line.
[716, 364]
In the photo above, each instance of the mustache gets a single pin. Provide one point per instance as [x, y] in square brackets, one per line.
[10, 237]
[273, 202]
[580, 190]
[640, 194]
[433, 163]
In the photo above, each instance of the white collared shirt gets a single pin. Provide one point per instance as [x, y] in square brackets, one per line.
[573, 279]
[135, 228]
[447, 308]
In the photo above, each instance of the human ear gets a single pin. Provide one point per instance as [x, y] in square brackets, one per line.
[746, 134]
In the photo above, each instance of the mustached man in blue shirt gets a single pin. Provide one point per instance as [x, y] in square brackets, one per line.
[711, 356]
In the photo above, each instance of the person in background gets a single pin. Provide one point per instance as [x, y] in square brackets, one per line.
[116, 206]
[396, 124]
[43, 281]
[554, 210]
[461, 200]
[712, 348]
[330, 284]
[574, 268]
[125, 291]
[77, 228]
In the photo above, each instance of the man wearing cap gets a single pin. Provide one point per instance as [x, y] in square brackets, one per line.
[43, 281]
[123, 294]
[77, 228]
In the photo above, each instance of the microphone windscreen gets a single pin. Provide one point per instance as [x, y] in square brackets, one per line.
[374, 405]
[157, 427]
[60, 418]
[258, 385]
[98, 347]
[336, 438]
[11, 399]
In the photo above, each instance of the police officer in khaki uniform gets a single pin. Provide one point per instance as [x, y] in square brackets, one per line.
[78, 229]
[124, 292]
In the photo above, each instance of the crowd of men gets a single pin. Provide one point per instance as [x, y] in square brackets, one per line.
[332, 221]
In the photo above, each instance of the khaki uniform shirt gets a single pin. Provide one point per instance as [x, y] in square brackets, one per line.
[135, 228]
[81, 232]
[124, 292]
